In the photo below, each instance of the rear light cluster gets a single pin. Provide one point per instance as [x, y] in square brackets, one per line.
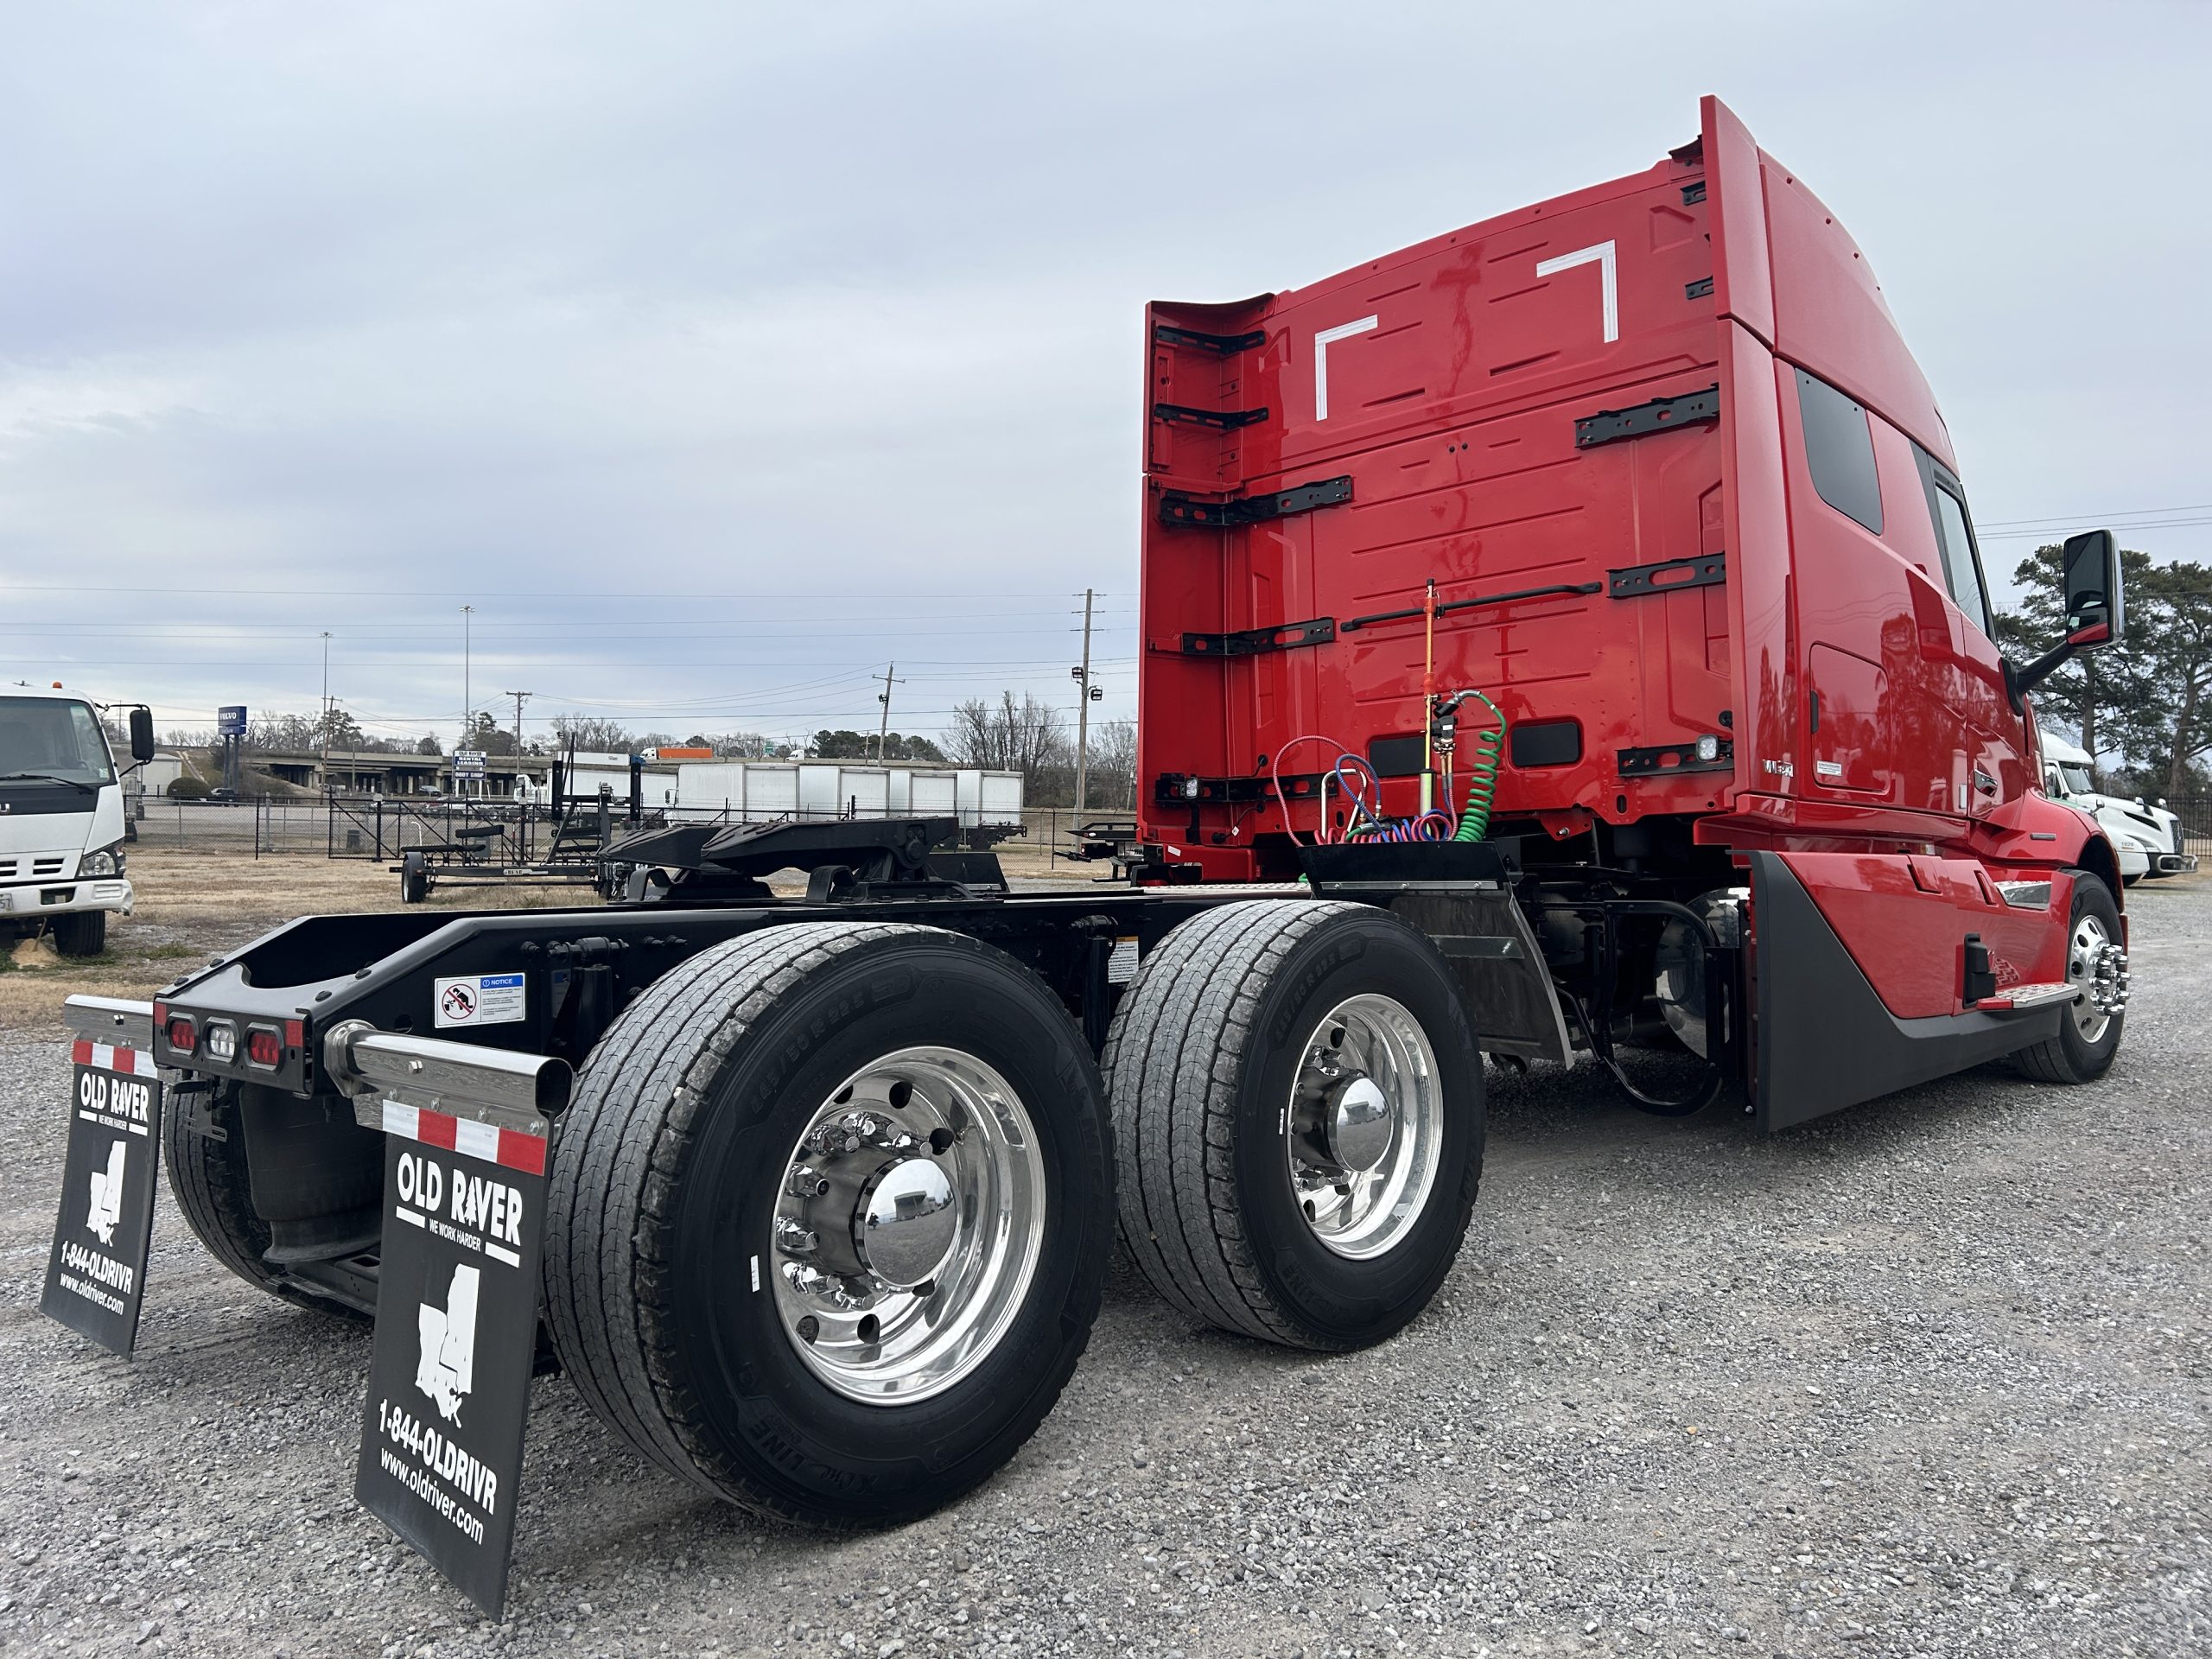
[265, 1046]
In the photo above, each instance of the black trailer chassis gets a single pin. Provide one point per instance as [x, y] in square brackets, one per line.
[828, 1217]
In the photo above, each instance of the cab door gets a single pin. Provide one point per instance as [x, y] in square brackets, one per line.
[1998, 768]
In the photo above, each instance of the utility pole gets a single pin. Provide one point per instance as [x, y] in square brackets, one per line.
[519, 698]
[467, 693]
[1086, 693]
[883, 696]
[326, 711]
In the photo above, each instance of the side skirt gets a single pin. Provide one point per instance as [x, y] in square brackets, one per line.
[1824, 1041]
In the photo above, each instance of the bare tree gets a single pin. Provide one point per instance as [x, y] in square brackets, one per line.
[1113, 780]
[1012, 734]
[592, 734]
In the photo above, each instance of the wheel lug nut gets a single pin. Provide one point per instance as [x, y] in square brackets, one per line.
[793, 1239]
[807, 1182]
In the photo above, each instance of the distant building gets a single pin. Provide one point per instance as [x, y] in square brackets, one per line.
[355, 772]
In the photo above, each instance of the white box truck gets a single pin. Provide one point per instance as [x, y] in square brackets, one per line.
[61, 824]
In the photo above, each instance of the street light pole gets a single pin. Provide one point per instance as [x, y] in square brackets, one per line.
[326, 711]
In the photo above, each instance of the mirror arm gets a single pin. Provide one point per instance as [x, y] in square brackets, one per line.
[2019, 682]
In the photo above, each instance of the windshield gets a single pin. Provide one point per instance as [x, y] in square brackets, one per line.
[2078, 781]
[53, 738]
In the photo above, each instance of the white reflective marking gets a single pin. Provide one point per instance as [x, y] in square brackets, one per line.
[756, 1272]
[1602, 254]
[1322, 342]
[473, 1139]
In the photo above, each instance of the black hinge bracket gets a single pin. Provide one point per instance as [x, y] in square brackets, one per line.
[1251, 642]
[1698, 290]
[1661, 413]
[1708, 570]
[1693, 193]
[1664, 759]
[1227, 419]
[1181, 511]
[1226, 345]
[1176, 789]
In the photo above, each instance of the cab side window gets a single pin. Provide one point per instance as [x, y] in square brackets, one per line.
[1840, 451]
[1947, 506]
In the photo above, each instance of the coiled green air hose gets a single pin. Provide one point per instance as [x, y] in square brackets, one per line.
[1483, 757]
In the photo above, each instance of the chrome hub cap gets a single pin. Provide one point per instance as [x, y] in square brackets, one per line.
[907, 1224]
[1361, 1127]
[1364, 1126]
[907, 1227]
[2097, 967]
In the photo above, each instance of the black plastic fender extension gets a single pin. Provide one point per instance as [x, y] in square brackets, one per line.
[1823, 1040]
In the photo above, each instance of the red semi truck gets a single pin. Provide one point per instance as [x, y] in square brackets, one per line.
[1563, 640]
[1650, 469]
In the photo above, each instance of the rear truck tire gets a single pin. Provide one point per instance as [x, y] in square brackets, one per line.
[208, 1179]
[80, 933]
[1298, 1120]
[829, 1218]
[2089, 1030]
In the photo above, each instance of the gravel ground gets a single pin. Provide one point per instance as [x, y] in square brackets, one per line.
[1926, 1377]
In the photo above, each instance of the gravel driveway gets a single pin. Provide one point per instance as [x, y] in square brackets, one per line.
[1929, 1377]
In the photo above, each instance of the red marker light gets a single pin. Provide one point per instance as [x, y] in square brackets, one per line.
[182, 1036]
[263, 1048]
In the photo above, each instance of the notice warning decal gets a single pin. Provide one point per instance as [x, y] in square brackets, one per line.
[481, 999]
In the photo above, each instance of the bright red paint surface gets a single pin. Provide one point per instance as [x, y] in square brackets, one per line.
[1445, 381]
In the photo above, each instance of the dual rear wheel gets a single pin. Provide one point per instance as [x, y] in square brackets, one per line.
[831, 1213]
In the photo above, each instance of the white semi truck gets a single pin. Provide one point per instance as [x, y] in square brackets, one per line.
[2147, 838]
[61, 821]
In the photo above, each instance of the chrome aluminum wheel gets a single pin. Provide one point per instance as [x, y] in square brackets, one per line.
[911, 1213]
[2097, 968]
[1364, 1126]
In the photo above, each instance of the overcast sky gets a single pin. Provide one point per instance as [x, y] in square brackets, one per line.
[716, 353]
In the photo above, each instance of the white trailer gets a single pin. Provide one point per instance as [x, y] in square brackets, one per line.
[759, 791]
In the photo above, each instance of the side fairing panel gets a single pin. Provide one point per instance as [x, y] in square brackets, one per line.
[1790, 273]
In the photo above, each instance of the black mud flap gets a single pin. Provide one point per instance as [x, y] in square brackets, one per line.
[96, 1274]
[1824, 1040]
[456, 1337]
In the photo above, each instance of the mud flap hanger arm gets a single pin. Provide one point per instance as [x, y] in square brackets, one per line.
[490, 1085]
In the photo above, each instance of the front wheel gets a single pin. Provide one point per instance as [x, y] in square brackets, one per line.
[1298, 1120]
[830, 1217]
[80, 933]
[2096, 966]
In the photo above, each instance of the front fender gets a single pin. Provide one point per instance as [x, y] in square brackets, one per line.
[2032, 830]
